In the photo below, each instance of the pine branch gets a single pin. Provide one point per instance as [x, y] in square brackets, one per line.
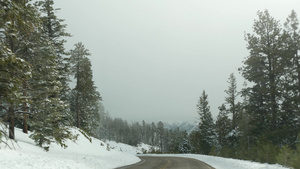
[5, 135]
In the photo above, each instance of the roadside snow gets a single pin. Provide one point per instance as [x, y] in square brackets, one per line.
[79, 155]
[127, 148]
[98, 154]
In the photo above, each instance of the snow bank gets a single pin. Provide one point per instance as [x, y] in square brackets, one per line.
[79, 155]
[98, 154]
[127, 148]
[227, 163]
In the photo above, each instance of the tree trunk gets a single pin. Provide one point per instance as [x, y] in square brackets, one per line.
[273, 100]
[11, 121]
[233, 111]
[298, 71]
[273, 104]
[49, 26]
[77, 96]
[25, 126]
[77, 112]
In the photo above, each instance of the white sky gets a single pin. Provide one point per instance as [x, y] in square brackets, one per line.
[153, 58]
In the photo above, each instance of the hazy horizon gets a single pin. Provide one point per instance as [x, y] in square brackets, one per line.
[151, 60]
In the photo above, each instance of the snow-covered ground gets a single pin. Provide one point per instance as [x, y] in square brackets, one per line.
[79, 155]
[98, 154]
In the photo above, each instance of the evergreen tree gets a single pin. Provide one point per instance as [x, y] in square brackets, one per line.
[50, 116]
[85, 98]
[144, 132]
[56, 32]
[271, 108]
[195, 140]
[26, 41]
[231, 99]
[223, 128]
[136, 132]
[18, 19]
[264, 68]
[184, 145]
[161, 135]
[246, 140]
[290, 83]
[206, 125]
[152, 135]
[234, 110]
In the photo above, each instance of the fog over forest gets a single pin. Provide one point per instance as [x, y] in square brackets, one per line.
[153, 59]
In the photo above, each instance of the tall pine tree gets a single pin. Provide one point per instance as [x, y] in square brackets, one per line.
[223, 128]
[50, 109]
[231, 99]
[206, 125]
[18, 21]
[85, 98]
[290, 83]
[264, 68]
[56, 31]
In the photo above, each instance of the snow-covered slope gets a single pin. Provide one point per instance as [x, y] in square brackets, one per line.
[95, 155]
[127, 148]
[79, 155]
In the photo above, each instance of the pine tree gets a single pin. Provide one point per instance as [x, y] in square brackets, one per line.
[29, 32]
[50, 121]
[136, 131]
[223, 127]
[152, 135]
[290, 83]
[27, 41]
[77, 57]
[85, 98]
[206, 125]
[246, 139]
[13, 75]
[292, 31]
[231, 99]
[17, 22]
[195, 140]
[264, 67]
[161, 135]
[56, 31]
[234, 106]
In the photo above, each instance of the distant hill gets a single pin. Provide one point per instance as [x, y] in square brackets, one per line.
[185, 125]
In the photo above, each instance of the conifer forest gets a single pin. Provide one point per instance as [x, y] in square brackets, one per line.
[260, 122]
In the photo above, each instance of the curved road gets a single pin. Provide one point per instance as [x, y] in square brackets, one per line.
[158, 162]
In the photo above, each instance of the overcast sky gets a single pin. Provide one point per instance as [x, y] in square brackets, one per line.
[152, 59]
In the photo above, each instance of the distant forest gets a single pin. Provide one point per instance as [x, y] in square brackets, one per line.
[260, 123]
